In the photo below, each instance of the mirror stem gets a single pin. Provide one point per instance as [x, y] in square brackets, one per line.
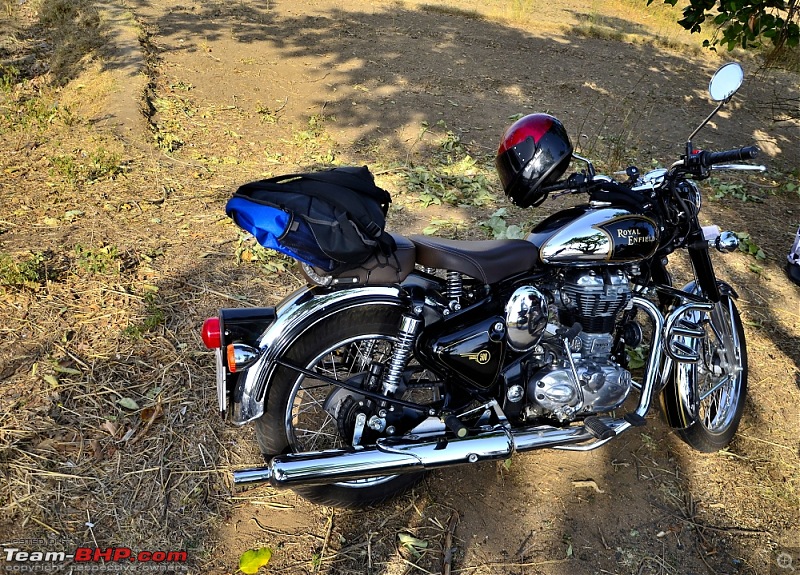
[707, 120]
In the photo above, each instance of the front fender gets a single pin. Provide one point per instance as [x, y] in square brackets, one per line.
[679, 398]
[297, 313]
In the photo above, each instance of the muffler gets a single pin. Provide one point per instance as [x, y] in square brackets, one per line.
[395, 456]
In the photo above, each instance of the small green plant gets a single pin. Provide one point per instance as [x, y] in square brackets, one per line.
[637, 357]
[154, 316]
[268, 115]
[748, 246]
[461, 183]
[9, 75]
[737, 191]
[88, 167]
[99, 260]
[166, 139]
[442, 228]
[30, 272]
[411, 544]
[248, 251]
[499, 229]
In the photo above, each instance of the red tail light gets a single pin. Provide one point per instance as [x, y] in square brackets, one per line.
[212, 337]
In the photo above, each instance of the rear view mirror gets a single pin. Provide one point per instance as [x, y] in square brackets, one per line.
[725, 82]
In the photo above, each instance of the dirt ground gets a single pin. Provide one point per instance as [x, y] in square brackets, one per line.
[118, 156]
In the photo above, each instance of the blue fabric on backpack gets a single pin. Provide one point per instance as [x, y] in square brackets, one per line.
[333, 220]
[270, 225]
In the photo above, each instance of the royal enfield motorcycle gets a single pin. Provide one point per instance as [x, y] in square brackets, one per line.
[467, 351]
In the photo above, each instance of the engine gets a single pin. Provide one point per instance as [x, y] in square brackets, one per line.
[570, 336]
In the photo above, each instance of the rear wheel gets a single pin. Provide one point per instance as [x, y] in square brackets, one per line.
[719, 379]
[307, 414]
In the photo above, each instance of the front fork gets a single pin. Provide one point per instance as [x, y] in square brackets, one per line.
[703, 268]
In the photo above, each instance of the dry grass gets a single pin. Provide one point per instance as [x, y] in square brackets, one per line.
[109, 260]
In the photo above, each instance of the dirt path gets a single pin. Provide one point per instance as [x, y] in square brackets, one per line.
[245, 88]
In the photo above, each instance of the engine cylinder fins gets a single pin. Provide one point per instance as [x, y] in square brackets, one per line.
[594, 298]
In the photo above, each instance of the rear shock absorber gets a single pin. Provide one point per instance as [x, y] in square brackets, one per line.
[409, 327]
[455, 289]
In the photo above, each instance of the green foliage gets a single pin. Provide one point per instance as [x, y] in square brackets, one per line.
[248, 251]
[744, 23]
[723, 190]
[442, 228]
[99, 260]
[637, 357]
[457, 183]
[499, 229]
[748, 246]
[154, 316]
[30, 272]
[87, 167]
[9, 75]
[413, 545]
[452, 176]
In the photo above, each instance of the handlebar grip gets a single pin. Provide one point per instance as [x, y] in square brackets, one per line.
[710, 158]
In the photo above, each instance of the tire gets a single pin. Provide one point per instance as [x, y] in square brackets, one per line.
[723, 366]
[301, 417]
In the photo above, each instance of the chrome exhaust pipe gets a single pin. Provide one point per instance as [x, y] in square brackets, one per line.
[395, 456]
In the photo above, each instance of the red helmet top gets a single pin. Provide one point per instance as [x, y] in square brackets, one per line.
[534, 153]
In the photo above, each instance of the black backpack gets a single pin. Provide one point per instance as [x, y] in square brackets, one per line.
[333, 220]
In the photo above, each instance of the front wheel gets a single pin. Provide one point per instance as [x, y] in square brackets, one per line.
[719, 380]
[308, 414]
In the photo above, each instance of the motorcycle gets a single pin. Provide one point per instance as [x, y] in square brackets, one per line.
[479, 350]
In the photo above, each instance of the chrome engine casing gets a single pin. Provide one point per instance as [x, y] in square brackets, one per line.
[526, 318]
[602, 386]
[588, 380]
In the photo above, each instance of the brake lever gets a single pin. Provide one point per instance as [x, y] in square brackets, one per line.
[740, 167]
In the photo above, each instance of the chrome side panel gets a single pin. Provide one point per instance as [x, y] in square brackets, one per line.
[297, 313]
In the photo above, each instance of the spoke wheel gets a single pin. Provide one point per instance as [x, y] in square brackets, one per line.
[719, 380]
[304, 413]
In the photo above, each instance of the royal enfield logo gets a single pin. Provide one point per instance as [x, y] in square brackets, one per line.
[482, 357]
[635, 236]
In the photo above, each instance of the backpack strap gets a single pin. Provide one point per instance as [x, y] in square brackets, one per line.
[357, 179]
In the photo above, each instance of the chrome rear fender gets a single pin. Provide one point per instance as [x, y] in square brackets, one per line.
[297, 313]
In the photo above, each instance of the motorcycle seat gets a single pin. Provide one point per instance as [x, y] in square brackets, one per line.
[489, 260]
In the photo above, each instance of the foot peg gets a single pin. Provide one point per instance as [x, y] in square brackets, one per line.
[596, 427]
[635, 419]
[454, 425]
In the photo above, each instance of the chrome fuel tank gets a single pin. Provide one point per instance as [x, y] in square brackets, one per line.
[595, 235]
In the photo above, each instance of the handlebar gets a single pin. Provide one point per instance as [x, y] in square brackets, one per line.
[708, 159]
[600, 190]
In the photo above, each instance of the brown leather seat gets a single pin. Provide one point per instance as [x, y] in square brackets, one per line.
[489, 261]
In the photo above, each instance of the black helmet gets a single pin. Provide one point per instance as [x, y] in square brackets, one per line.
[533, 153]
